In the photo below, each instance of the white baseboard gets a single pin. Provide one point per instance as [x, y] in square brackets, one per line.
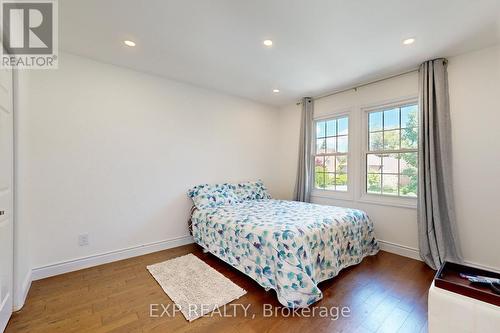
[413, 253]
[5, 311]
[104, 258]
[21, 294]
[402, 250]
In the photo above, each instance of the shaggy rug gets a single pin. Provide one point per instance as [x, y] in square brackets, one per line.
[195, 287]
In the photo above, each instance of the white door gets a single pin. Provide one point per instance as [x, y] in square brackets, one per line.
[6, 197]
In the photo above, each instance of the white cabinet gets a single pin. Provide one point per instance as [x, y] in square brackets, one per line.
[451, 312]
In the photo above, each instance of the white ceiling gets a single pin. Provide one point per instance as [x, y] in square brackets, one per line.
[319, 45]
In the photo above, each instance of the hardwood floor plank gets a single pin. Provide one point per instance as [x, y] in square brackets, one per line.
[380, 313]
[413, 323]
[385, 292]
[394, 321]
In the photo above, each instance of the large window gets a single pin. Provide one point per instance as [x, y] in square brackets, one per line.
[330, 158]
[392, 154]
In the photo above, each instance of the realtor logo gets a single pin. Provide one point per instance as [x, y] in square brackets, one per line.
[29, 34]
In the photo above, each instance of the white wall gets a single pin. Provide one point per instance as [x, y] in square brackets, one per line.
[474, 80]
[111, 152]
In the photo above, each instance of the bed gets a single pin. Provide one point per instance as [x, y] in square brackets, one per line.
[287, 246]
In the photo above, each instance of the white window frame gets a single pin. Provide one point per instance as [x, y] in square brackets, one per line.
[372, 198]
[334, 194]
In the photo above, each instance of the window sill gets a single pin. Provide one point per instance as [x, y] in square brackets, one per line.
[335, 195]
[388, 201]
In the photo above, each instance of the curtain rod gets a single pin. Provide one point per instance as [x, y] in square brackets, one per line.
[359, 85]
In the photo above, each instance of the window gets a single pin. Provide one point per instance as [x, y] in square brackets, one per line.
[330, 157]
[392, 154]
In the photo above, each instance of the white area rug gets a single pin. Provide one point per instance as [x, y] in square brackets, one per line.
[195, 287]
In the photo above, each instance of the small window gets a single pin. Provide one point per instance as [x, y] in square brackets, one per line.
[330, 156]
[392, 154]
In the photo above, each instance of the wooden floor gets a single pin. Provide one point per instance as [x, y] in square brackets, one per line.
[385, 293]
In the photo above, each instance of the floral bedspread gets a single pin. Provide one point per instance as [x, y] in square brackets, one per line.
[287, 246]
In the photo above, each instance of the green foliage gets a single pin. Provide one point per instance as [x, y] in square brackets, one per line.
[409, 139]
[409, 136]
[374, 183]
[319, 177]
[328, 180]
[391, 140]
[376, 141]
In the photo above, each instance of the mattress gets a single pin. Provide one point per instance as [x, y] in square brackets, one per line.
[287, 246]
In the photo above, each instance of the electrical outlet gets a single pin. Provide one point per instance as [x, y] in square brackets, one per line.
[83, 239]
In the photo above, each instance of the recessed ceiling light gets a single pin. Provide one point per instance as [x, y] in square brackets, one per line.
[129, 43]
[268, 43]
[276, 91]
[409, 41]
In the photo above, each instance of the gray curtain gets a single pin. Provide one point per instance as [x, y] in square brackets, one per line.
[304, 180]
[436, 217]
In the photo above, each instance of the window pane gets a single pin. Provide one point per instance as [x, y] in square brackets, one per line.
[408, 185]
[373, 184]
[374, 163]
[391, 119]
[319, 169]
[408, 164]
[330, 181]
[396, 131]
[341, 164]
[320, 129]
[376, 141]
[329, 163]
[343, 145]
[390, 163]
[331, 145]
[319, 179]
[409, 174]
[409, 116]
[409, 138]
[343, 124]
[375, 121]
[320, 146]
[390, 184]
[319, 165]
[391, 140]
[341, 182]
[331, 139]
[331, 128]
